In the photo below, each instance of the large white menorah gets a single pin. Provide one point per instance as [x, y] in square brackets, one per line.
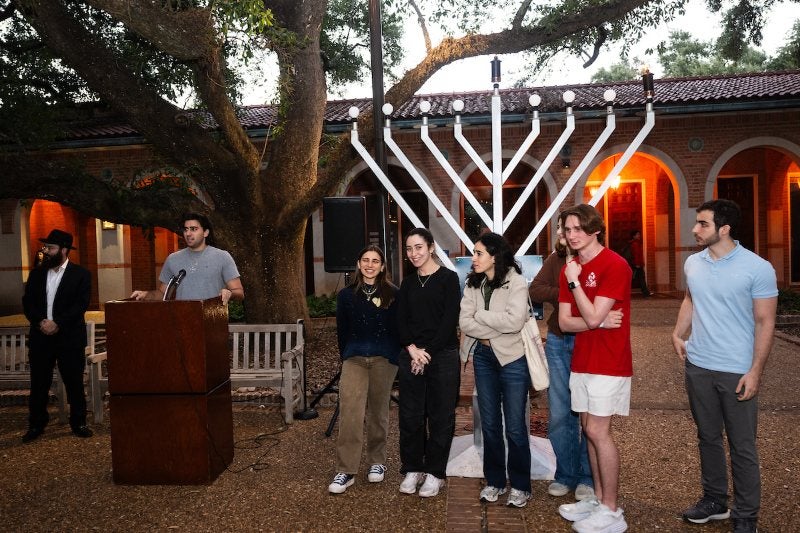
[497, 175]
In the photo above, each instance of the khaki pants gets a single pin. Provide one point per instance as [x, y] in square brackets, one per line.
[364, 389]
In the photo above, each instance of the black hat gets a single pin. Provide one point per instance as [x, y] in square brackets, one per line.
[61, 238]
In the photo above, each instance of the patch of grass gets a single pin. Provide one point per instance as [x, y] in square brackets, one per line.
[321, 306]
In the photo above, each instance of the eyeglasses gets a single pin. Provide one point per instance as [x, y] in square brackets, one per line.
[48, 247]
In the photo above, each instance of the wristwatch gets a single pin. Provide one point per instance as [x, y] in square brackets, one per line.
[572, 285]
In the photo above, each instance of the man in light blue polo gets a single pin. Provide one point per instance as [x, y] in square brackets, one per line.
[729, 307]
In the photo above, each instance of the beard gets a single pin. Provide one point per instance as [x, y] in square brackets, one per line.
[51, 261]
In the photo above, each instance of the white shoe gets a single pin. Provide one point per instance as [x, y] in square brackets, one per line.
[518, 498]
[410, 482]
[603, 520]
[490, 493]
[431, 486]
[340, 483]
[557, 489]
[583, 491]
[376, 473]
[578, 510]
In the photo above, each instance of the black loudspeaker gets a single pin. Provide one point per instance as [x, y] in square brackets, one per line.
[344, 231]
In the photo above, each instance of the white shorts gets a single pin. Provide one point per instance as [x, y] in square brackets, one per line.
[600, 395]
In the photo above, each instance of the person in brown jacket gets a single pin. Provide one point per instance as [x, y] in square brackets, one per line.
[572, 459]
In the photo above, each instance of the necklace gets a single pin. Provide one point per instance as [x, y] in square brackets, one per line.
[196, 256]
[427, 278]
[369, 293]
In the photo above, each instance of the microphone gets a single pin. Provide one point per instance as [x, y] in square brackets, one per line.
[172, 286]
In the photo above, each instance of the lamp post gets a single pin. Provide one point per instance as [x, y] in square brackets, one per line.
[376, 65]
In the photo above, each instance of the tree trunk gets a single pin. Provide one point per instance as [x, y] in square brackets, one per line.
[270, 261]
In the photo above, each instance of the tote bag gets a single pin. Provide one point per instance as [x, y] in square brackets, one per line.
[534, 354]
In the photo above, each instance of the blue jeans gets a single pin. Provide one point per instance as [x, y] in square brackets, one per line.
[563, 429]
[507, 387]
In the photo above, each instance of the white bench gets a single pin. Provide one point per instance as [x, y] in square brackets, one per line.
[270, 355]
[15, 369]
[262, 355]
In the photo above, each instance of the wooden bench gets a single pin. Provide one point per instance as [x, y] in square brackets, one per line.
[15, 369]
[270, 355]
[262, 355]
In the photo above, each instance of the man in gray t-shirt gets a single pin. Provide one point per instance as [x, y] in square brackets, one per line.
[209, 271]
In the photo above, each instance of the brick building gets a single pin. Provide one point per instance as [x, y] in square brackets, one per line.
[734, 137]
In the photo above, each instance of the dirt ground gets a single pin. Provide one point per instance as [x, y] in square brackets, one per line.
[279, 476]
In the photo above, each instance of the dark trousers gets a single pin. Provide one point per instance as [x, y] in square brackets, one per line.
[71, 364]
[428, 412]
[712, 399]
[639, 280]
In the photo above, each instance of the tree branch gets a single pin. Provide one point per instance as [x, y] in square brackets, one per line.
[187, 144]
[186, 34]
[189, 35]
[602, 35]
[66, 181]
[422, 25]
[515, 39]
[520, 16]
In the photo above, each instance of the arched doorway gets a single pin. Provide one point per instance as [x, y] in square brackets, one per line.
[643, 198]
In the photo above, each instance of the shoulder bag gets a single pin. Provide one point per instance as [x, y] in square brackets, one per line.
[534, 353]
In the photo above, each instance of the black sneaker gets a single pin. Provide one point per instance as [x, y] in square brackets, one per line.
[705, 510]
[745, 525]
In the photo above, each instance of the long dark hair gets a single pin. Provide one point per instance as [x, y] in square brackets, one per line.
[385, 289]
[497, 247]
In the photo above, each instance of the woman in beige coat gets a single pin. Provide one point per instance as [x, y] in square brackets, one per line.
[493, 310]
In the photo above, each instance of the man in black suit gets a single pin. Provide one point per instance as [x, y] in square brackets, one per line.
[56, 297]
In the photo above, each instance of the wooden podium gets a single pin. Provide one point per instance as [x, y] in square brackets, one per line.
[169, 380]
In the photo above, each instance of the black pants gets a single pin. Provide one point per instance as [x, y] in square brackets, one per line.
[428, 412]
[71, 364]
[639, 279]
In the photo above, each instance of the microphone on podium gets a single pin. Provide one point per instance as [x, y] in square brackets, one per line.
[172, 286]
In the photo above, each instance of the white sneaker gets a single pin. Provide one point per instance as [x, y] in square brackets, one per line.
[431, 486]
[583, 491]
[340, 483]
[578, 510]
[518, 498]
[490, 493]
[376, 473]
[557, 489]
[410, 482]
[603, 520]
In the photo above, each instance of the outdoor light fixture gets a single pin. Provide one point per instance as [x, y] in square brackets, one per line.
[353, 112]
[425, 106]
[534, 100]
[458, 106]
[610, 95]
[495, 71]
[647, 83]
[387, 109]
[569, 97]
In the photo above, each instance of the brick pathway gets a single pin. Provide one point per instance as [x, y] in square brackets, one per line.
[465, 513]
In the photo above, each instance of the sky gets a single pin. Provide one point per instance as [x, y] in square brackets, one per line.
[474, 74]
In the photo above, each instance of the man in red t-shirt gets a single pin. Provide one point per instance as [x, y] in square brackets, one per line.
[594, 302]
